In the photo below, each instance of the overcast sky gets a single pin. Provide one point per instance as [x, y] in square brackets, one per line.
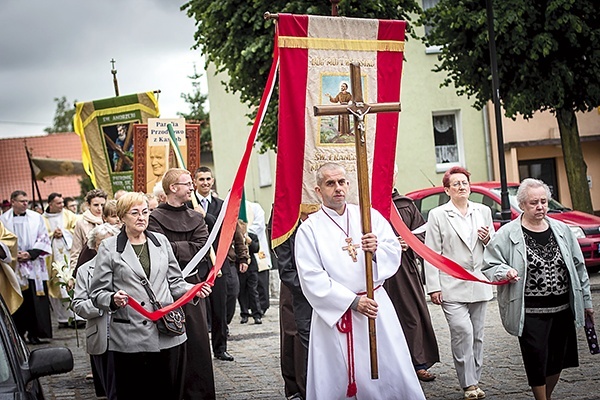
[61, 48]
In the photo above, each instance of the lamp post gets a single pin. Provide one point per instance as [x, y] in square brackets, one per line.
[498, 113]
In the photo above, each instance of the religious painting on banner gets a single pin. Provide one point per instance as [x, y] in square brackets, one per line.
[315, 57]
[155, 152]
[106, 130]
[158, 144]
[336, 129]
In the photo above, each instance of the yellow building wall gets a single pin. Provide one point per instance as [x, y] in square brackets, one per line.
[421, 96]
[543, 126]
[230, 130]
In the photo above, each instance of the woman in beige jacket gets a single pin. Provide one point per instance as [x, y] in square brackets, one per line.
[459, 230]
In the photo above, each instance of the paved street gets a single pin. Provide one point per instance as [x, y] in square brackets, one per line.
[255, 372]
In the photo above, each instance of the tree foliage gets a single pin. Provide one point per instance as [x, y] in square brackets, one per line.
[548, 55]
[197, 112]
[234, 36]
[63, 116]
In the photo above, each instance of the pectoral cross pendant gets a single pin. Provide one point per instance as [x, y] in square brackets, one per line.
[351, 249]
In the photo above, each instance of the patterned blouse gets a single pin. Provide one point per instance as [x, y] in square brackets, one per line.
[547, 284]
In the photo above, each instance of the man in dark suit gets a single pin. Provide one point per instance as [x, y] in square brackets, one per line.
[226, 288]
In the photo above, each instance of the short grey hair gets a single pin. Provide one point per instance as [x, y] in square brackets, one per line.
[157, 190]
[328, 167]
[102, 231]
[531, 183]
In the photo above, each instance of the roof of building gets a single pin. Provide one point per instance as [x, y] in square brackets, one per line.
[16, 174]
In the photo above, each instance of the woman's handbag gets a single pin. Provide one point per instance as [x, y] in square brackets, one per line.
[590, 335]
[170, 324]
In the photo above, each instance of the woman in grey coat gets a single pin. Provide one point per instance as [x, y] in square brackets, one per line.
[148, 364]
[549, 289]
[96, 329]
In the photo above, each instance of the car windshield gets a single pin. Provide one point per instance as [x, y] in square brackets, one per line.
[553, 205]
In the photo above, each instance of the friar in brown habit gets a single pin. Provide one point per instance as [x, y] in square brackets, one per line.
[405, 289]
[187, 232]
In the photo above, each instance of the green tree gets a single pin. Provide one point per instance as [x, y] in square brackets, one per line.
[548, 60]
[234, 36]
[63, 116]
[197, 113]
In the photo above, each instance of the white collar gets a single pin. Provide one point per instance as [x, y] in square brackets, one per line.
[208, 198]
[452, 208]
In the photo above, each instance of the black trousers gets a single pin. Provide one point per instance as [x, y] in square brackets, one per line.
[156, 375]
[218, 313]
[103, 369]
[233, 290]
[294, 356]
[199, 382]
[33, 317]
[248, 297]
[263, 290]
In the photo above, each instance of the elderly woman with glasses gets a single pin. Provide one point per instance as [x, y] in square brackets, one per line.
[549, 289]
[148, 364]
[459, 230]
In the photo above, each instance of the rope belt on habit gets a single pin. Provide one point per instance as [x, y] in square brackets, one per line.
[344, 325]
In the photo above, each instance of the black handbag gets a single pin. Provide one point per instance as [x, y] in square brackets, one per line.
[170, 324]
[590, 334]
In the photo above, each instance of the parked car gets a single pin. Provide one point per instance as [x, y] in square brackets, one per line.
[20, 368]
[586, 227]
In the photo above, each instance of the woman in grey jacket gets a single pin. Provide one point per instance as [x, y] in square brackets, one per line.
[549, 289]
[148, 364]
[96, 329]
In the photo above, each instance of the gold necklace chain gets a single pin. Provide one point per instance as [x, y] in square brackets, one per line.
[141, 250]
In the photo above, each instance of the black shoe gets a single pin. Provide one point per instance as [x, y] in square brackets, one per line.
[63, 325]
[257, 321]
[79, 324]
[244, 320]
[224, 356]
[36, 340]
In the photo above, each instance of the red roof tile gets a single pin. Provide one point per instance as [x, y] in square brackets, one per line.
[16, 174]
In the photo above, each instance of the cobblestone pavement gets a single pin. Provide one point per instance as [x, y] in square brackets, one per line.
[255, 373]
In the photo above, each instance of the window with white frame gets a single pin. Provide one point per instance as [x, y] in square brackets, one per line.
[427, 4]
[447, 138]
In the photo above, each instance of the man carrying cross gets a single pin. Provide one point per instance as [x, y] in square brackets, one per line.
[332, 276]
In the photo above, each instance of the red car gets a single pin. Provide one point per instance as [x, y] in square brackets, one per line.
[586, 227]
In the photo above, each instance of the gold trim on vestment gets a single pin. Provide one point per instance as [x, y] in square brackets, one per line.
[293, 42]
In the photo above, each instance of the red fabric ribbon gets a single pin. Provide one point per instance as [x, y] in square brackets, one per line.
[232, 210]
[437, 260]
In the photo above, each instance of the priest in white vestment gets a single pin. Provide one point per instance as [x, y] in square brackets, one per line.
[331, 266]
[33, 316]
[60, 223]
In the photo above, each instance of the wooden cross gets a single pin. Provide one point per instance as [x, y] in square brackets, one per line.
[359, 109]
[351, 249]
[113, 71]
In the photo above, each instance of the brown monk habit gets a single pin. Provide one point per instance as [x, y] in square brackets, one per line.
[405, 289]
[187, 232]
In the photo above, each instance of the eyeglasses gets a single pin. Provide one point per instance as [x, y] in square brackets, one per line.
[188, 184]
[136, 214]
[458, 184]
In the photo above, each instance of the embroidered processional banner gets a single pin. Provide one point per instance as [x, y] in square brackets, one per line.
[106, 130]
[315, 54]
